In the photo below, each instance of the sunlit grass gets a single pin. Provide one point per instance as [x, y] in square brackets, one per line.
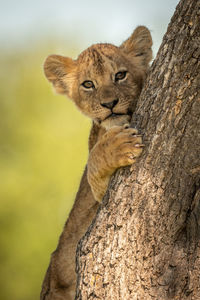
[43, 151]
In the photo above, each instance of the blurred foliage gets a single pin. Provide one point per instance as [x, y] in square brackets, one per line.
[43, 151]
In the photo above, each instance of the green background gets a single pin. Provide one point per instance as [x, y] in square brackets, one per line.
[43, 151]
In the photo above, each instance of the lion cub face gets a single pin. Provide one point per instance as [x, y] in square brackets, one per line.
[105, 81]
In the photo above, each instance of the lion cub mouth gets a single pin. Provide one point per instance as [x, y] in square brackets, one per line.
[115, 119]
[113, 115]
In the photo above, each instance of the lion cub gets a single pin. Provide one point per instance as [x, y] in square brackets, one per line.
[104, 82]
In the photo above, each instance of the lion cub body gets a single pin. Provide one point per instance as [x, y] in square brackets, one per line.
[104, 83]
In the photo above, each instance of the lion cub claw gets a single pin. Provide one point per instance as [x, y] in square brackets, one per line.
[118, 147]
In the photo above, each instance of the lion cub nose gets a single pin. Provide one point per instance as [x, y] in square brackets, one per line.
[111, 104]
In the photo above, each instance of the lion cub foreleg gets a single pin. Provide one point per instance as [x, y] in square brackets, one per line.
[118, 147]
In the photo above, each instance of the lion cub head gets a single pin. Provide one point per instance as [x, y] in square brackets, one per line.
[104, 81]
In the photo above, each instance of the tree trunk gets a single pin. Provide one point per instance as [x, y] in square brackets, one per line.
[145, 240]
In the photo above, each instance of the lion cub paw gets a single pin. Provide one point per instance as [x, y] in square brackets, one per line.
[121, 146]
[118, 147]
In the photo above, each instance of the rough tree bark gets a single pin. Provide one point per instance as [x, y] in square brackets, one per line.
[145, 240]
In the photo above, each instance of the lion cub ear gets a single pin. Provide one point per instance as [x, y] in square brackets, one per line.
[60, 71]
[139, 45]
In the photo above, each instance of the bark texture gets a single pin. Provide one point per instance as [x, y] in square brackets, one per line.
[145, 240]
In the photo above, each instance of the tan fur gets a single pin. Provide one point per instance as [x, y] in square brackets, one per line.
[104, 83]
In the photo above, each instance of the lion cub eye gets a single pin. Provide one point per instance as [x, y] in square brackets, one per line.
[88, 84]
[120, 75]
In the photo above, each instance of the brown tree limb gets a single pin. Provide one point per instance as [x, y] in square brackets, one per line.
[144, 242]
